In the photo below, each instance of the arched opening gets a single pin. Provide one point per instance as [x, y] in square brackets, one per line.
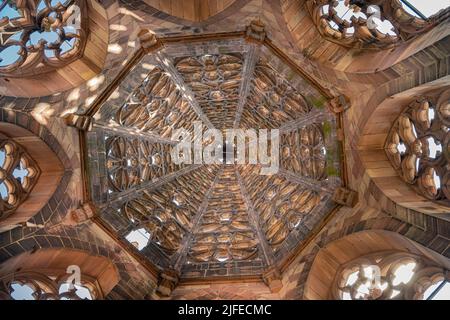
[30, 174]
[345, 35]
[375, 264]
[401, 174]
[57, 274]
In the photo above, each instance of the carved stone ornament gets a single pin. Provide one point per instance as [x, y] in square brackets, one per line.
[168, 281]
[256, 31]
[372, 24]
[18, 175]
[43, 37]
[418, 146]
[387, 275]
[345, 197]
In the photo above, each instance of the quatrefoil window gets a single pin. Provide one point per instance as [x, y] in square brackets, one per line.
[18, 175]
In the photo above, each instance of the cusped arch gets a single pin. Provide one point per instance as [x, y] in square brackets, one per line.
[369, 248]
[49, 273]
[71, 48]
[36, 176]
[401, 176]
[346, 44]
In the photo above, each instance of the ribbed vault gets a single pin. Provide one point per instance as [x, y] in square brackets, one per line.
[219, 220]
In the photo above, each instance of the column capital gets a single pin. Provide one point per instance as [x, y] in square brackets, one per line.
[255, 32]
[79, 121]
[168, 280]
[345, 197]
[272, 278]
[148, 40]
[339, 104]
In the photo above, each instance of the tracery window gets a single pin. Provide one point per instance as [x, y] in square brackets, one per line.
[133, 161]
[303, 151]
[158, 219]
[39, 36]
[38, 286]
[272, 100]
[282, 206]
[373, 24]
[215, 81]
[391, 275]
[18, 175]
[164, 216]
[156, 106]
[225, 233]
[418, 146]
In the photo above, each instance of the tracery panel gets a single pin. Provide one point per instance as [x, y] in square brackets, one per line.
[281, 205]
[130, 162]
[18, 175]
[40, 36]
[156, 106]
[225, 233]
[215, 81]
[303, 152]
[368, 24]
[418, 146]
[166, 214]
[40, 286]
[388, 275]
[272, 100]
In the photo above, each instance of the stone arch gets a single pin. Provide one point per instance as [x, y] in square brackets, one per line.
[425, 231]
[70, 72]
[338, 253]
[372, 151]
[98, 273]
[189, 12]
[54, 166]
[300, 16]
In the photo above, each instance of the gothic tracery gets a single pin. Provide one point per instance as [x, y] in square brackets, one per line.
[39, 36]
[388, 276]
[367, 24]
[417, 146]
[18, 175]
[117, 191]
[38, 286]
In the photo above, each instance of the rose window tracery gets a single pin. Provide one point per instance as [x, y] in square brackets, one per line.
[18, 175]
[39, 36]
[418, 147]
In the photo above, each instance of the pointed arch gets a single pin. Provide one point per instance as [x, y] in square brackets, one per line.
[51, 165]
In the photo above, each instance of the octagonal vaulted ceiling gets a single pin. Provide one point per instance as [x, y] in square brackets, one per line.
[212, 220]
